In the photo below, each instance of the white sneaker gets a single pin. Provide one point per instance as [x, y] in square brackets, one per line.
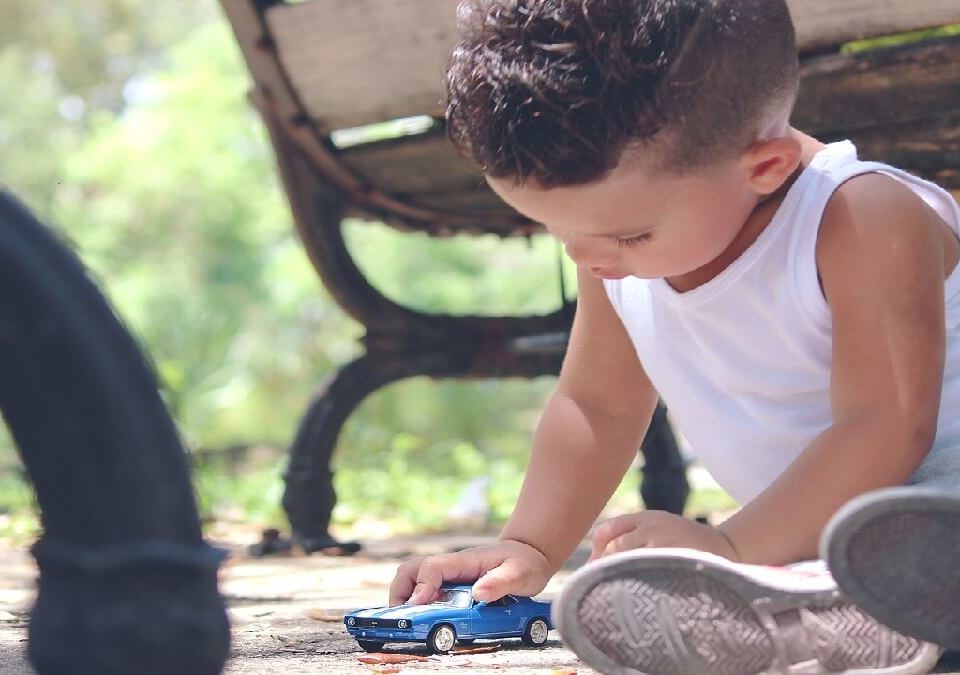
[685, 612]
[896, 553]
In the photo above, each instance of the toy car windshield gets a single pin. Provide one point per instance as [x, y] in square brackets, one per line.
[453, 597]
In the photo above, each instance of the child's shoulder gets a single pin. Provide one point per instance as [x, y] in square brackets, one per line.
[876, 225]
[875, 209]
[874, 204]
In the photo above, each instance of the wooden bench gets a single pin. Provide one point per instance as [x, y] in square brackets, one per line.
[325, 70]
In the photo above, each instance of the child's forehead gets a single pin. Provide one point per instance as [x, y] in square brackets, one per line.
[607, 207]
[625, 182]
[626, 202]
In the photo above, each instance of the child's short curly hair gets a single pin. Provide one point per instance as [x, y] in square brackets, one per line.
[556, 90]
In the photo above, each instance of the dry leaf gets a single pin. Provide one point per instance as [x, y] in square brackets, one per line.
[330, 615]
[564, 671]
[390, 658]
[481, 649]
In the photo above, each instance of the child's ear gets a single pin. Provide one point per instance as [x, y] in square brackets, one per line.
[769, 164]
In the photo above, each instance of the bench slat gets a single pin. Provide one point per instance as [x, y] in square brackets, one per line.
[356, 62]
[414, 164]
[902, 104]
[844, 93]
[479, 200]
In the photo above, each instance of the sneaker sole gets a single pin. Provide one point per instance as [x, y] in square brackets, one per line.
[896, 553]
[681, 612]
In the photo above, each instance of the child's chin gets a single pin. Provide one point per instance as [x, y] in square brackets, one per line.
[608, 275]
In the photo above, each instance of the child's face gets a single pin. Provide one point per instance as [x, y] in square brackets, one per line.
[634, 223]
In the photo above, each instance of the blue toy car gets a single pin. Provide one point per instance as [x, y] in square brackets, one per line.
[454, 617]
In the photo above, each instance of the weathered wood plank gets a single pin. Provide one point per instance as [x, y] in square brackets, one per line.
[821, 23]
[413, 164]
[890, 86]
[902, 104]
[356, 62]
[481, 199]
[930, 149]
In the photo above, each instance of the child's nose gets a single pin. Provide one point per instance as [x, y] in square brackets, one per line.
[587, 253]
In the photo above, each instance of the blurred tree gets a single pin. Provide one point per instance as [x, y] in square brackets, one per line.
[61, 61]
[130, 129]
[175, 204]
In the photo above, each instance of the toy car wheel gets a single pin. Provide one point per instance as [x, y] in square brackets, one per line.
[370, 645]
[442, 639]
[535, 634]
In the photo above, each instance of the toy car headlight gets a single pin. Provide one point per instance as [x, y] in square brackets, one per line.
[403, 623]
[351, 621]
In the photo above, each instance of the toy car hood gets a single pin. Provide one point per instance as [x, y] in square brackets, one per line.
[403, 612]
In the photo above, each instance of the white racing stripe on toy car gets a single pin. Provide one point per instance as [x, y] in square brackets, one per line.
[406, 612]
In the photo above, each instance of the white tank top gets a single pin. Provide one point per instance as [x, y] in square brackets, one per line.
[743, 361]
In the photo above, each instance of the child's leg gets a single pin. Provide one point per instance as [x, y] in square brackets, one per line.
[683, 612]
[896, 553]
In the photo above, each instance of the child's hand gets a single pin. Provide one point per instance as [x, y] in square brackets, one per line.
[658, 529]
[505, 567]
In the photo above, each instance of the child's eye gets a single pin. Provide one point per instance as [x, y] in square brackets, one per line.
[634, 240]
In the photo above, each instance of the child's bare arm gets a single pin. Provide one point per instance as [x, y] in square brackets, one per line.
[589, 433]
[585, 441]
[882, 256]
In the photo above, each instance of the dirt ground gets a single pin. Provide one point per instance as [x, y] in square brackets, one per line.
[286, 614]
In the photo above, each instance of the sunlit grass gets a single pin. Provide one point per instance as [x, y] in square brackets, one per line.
[19, 522]
[393, 499]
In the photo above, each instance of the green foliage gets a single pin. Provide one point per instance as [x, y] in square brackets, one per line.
[404, 492]
[61, 63]
[247, 491]
[706, 500]
[135, 138]
[18, 519]
[481, 275]
[175, 205]
[130, 131]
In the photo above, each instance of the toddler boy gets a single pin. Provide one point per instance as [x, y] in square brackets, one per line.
[796, 308]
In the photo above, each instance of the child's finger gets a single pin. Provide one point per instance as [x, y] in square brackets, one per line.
[608, 531]
[405, 580]
[428, 580]
[501, 580]
[464, 566]
[623, 543]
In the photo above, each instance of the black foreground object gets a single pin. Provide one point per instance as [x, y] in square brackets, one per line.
[127, 584]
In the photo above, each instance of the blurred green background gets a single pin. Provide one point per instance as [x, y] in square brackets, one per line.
[125, 125]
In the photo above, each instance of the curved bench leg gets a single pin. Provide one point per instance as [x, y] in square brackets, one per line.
[309, 497]
[397, 337]
[127, 584]
[664, 486]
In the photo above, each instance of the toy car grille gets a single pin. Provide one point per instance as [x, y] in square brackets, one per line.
[378, 623]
